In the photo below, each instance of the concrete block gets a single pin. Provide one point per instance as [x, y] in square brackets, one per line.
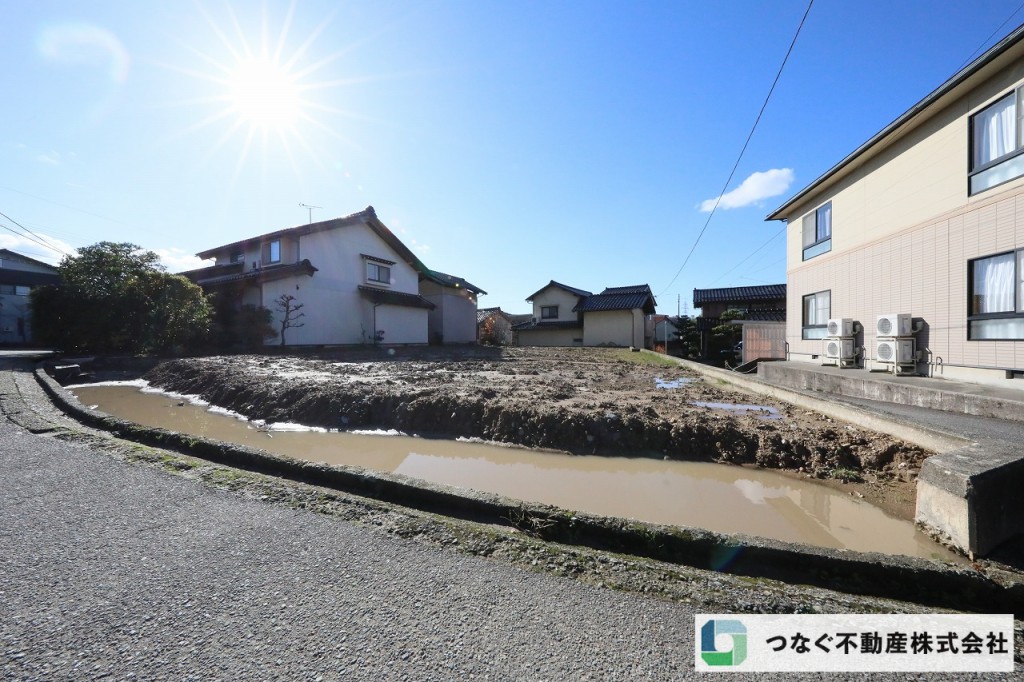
[972, 496]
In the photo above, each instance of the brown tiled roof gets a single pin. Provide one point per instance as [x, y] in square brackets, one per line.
[367, 216]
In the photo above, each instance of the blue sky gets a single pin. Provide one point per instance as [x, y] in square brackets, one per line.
[509, 143]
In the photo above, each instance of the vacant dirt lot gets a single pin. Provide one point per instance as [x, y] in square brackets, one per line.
[592, 401]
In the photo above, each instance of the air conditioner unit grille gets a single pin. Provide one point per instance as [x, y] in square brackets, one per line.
[885, 327]
[833, 349]
[886, 352]
[833, 329]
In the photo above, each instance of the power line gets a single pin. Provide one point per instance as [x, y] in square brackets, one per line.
[38, 239]
[31, 239]
[752, 254]
[985, 42]
[744, 149]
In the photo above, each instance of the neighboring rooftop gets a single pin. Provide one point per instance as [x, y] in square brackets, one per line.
[447, 280]
[553, 283]
[762, 292]
[619, 298]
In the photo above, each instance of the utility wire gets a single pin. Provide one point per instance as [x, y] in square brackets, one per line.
[24, 236]
[38, 239]
[752, 254]
[985, 42]
[744, 149]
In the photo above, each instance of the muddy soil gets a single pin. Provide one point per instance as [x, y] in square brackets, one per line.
[580, 400]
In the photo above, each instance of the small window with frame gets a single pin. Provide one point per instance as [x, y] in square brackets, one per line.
[817, 308]
[377, 273]
[549, 312]
[817, 231]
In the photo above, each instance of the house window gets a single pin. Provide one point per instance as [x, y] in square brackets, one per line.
[817, 310]
[548, 312]
[817, 231]
[237, 257]
[995, 308]
[377, 273]
[272, 252]
[996, 143]
[14, 290]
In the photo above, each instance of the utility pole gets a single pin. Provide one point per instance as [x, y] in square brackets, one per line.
[310, 208]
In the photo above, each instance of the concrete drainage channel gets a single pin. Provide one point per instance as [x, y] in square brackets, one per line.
[877, 575]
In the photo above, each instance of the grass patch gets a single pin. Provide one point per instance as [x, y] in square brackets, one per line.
[846, 475]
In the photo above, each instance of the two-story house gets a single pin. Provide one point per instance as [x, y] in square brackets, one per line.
[567, 316]
[925, 219]
[357, 281]
[18, 276]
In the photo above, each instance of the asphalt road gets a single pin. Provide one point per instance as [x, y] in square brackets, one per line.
[111, 570]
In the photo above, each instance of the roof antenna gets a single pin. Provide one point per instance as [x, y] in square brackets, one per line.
[310, 208]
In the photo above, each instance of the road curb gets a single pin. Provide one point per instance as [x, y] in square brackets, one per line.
[902, 578]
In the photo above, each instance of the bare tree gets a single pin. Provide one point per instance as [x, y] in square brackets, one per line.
[290, 313]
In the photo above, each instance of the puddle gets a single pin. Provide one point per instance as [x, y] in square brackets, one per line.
[722, 498]
[675, 383]
[761, 411]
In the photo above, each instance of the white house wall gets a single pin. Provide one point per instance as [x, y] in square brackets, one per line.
[453, 320]
[613, 327]
[565, 301]
[551, 337]
[334, 310]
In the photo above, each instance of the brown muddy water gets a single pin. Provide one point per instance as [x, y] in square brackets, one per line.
[717, 497]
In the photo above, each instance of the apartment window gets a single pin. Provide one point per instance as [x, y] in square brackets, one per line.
[14, 290]
[237, 257]
[817, 231]
[995, 308]
[272, 252]
[377, 273]
[817, 310]
[996, 143]
[548, 312]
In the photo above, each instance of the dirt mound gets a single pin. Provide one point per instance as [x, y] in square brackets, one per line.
[593, 401]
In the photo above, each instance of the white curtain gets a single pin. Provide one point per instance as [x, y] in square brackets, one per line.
[995, 131]
[994, 284]
[825, 221]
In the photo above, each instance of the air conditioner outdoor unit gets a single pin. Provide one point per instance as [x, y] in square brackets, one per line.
[895, 351]
[894, 324]
[840, 349]
[840, 327]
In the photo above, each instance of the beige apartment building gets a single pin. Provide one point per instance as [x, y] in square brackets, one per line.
[926, 220]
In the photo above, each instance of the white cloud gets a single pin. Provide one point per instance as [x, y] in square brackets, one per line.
[51, 158]
[179, 260]
[27, 247]
[760, 185]
[85, 44]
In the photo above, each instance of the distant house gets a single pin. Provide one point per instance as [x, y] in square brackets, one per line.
[763, 303]
[494, 326]
[357, 281]
[18, 276]
[567, 316]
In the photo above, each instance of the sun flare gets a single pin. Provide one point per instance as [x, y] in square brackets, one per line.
[264, 94]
